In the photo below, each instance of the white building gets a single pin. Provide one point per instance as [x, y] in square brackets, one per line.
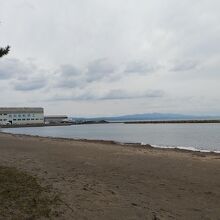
[21, 116]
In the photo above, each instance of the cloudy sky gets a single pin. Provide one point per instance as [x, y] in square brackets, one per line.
[99, 57]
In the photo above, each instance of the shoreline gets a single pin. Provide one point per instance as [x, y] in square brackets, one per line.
[126, 144]
[216, 121]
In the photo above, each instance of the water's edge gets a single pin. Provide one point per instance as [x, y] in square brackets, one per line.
[131, 144]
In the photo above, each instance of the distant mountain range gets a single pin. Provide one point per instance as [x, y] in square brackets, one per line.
[149, 116]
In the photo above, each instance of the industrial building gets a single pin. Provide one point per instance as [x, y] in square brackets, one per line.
[21, 116]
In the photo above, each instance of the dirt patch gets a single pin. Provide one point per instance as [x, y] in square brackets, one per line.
[22, 197]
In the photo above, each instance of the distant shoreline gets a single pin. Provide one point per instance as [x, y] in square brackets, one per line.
[116, 122]
[173, 122]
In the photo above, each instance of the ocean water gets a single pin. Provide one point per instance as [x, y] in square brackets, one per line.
[203, 137]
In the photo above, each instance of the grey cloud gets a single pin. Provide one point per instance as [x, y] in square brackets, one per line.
[99, 69]
[114, 94]
[69, 76]
[23, 76]
[69, 71]
[140, 67]
[16, 69]
[184, 66]
[70, 83]
[30, 85]
[12, 67]
[121, 94]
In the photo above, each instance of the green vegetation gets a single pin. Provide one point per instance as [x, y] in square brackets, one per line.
[22, 197]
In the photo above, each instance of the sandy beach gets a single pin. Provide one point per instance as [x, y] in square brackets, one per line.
[103, 180]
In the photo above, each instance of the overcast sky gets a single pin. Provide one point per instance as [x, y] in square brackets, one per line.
[99, 57]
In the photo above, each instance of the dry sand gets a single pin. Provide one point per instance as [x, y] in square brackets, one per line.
[98, 180]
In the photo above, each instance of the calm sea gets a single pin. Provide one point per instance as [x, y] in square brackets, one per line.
[190, 136]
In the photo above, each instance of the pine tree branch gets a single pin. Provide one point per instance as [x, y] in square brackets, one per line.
[4, 51]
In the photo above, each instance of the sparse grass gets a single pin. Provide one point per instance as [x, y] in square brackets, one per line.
[22, 197]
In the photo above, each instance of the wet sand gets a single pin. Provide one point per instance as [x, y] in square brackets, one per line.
[104, 180]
